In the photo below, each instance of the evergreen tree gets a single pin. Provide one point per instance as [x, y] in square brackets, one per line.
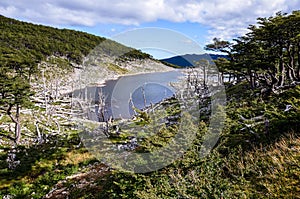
[269, 53]
[15, 89]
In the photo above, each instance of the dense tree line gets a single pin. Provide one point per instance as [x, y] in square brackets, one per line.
[267, 56]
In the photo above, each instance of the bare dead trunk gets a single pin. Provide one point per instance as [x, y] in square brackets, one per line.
[144, 97]
[281, 72]
[292, 74]
[291, 64]
[204, 73]
[18, 132]
[39, 134]
[298, 70]
[17, 122]
[45, 91]
[101, 106]
[132, 105]
[252, 80]
[56, 88]
[222, 76]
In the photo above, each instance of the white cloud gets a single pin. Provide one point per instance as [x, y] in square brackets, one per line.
[227, 19]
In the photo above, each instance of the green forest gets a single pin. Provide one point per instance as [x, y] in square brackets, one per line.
[257, 155]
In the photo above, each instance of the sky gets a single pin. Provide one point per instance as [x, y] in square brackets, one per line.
[198, 20]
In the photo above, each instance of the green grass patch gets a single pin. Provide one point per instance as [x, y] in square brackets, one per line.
[117, 69]
[42, 166]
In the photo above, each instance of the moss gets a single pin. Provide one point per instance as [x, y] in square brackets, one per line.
[5, 119]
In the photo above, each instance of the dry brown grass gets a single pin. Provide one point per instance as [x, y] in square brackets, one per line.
[74, 158]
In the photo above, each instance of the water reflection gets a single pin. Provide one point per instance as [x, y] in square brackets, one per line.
[117, 97]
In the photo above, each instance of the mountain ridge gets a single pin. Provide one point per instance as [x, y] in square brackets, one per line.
[188, 60]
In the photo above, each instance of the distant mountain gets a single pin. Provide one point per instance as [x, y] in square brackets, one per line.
[189, 59]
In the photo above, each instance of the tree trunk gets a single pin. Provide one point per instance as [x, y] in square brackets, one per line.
[45, 91]
[18, 125]
[252, 80]
[292, 74]
[222, 77]
[17, 122]
[298, 70]
[238, 78]
[272, 81]
[229, 79]
[291, 63]
[144, 96]
[204, 76]
[101, 106]
[38, 131]
[281, 72]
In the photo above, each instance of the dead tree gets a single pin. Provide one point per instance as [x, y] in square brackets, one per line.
[101, 106]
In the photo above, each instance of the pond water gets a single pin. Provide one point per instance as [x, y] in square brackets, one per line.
[140, 91]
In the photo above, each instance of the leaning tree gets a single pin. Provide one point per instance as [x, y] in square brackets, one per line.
[15, 92]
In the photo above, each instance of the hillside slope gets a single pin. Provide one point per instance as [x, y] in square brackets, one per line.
[27, 43]
[62, 55]
[36, 42]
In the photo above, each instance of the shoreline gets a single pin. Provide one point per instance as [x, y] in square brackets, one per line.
[135, 74]
[103, 82]
[98, 76]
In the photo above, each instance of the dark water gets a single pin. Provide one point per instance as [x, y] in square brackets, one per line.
[135, 90]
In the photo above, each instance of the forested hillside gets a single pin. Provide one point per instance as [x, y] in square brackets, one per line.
[33, 43]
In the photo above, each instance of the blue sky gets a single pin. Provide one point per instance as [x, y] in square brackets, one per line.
[199, 20]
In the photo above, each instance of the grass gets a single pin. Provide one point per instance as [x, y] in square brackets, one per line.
[264, 172]
[117, 69]
[42, 166]
[267, 172]
[76, 157]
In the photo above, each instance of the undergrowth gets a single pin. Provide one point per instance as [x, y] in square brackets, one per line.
[257, 156]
